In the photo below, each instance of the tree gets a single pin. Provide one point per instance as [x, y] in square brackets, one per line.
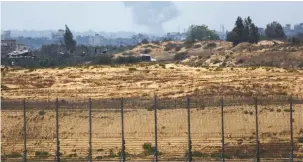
[244, 31]
[69, 41]
[196, 32]
[274, 30]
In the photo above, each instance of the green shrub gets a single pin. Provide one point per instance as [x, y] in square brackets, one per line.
[41, 153]
[72, 155]
[300, 139]
[42, 112]
[169, 47]
[215, 155]
[199, 154]
[210, 45]
[162, 65]
[99, 157]
[288, 110]
[178, 48]
[180, 56]
[14, 155]
[148, 149]
[112, 154]
[216, 61]
[99, 150]
[3, 87]
[132, 69]
[197, 46]
[188, 44]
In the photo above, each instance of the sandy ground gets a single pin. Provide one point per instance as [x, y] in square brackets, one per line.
[165, 80]
[139, 129]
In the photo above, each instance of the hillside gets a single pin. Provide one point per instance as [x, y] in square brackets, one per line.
[222, 53]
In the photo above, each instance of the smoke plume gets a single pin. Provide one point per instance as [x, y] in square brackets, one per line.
[152, 14]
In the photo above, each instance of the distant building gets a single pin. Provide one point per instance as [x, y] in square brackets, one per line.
[22, 47]
[8, 46]
[58, 36]
[6, 35]
[96, 40]
[261, 31]
[298, 28]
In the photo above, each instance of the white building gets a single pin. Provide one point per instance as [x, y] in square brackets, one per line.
[59, 35]
[6, 35]
[96, 40]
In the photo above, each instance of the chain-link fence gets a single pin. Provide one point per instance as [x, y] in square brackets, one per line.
[151, 129]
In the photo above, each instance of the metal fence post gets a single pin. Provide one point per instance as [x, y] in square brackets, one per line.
[188, 129]
[122, 132]
[291, 132]
[90, 128]
[222, 126]
[156, 129]
[257, 132]
[24, 131]
[57, 132]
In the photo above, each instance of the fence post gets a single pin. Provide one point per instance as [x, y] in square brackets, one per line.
[122, 132]
[222, 127]
[90, 128]
[57, 132]
[257, 131]
[156, 129]
[291, 132]
[188, 129]
[24, 131]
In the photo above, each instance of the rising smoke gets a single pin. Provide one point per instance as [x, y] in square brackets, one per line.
[152, 14]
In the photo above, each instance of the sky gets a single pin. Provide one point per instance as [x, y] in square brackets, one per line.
[113, 16]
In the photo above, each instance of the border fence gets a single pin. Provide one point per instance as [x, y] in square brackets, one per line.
[195, 144]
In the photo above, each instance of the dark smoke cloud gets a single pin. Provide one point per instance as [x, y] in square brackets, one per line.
[152, 14]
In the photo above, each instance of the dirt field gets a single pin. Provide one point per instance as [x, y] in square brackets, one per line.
[145, 80]
[165, 80]
[139, 129]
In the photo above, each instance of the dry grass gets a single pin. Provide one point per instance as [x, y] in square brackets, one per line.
[174, 80]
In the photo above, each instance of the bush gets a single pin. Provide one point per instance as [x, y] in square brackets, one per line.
[144, 41]
[3, 87]
[72, 155]
[197, 46]
[210, 45]
[146, 51]
[216, 61]
[156, 42]
[198, 154]
[42, 112]
[162, 65]
[169, 47]
[148, 149]
[14, 155]
[300, 139]
[132, 69]
[188, 44]
[215, 155]
[178, 48]
[180, 56]
[41, 153]
[240, 61]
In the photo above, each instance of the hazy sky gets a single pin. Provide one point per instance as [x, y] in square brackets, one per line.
[115, 16]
